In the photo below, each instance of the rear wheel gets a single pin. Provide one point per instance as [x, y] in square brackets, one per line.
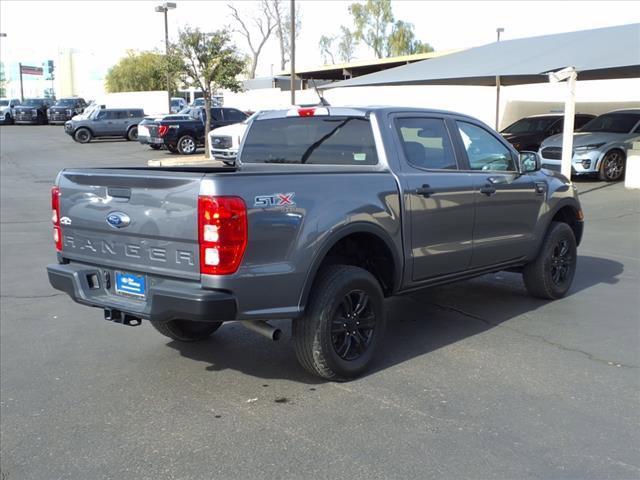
[132, 134]
[550, 275]
[172, 148]
[186, 330]
[187, 145]
[612, 167]
[82, 135]
[343, 324]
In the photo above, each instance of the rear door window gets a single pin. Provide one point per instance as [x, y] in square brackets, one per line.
[324, 140]
[426, 143]
[233, 115]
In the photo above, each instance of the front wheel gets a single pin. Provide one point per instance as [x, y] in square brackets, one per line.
[187, 145]
[186, 330]
[550, 275]
[612, 167]
[343, 324]
[7, 118]
[132, 134]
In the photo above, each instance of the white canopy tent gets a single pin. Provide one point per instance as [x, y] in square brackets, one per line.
[600, 54]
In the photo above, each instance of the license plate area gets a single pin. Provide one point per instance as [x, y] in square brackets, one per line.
[155, 140]
[131, 285]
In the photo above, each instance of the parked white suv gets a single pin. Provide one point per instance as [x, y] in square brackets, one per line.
[6, 109]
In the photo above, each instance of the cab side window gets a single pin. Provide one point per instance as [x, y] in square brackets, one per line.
[484, 151]
[426, 143]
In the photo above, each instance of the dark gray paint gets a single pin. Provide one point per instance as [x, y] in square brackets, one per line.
[432, 240]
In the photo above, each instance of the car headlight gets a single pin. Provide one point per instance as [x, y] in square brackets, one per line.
[34, 112]
[584, 148]
[69, 111]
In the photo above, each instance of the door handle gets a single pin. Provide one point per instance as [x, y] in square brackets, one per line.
[488, 190]
[425, 191]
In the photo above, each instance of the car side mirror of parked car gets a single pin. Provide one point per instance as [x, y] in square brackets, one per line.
[529, 162]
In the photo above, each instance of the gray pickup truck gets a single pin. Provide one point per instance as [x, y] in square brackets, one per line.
[328, 211]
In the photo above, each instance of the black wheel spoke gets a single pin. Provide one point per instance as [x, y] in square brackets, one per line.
[353, 325]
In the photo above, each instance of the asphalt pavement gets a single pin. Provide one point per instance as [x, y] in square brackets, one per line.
[475, 380]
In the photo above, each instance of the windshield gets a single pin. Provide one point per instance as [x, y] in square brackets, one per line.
[66, 102]
[327, 140]
[612, 123]
[198, 102]
[531, 125]
[33, 102]
[175, 103]
[4, 103]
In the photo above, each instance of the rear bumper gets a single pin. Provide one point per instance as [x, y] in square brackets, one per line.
[165, 300]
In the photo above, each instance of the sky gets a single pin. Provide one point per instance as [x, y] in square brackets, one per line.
[36, 30]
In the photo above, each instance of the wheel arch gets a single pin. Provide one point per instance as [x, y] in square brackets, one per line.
[569, 212]
[376, 237]
[86, 128]
[610, 149]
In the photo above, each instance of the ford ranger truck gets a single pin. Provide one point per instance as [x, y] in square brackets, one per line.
[328, 211]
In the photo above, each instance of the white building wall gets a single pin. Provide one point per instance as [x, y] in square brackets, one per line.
[594, 97]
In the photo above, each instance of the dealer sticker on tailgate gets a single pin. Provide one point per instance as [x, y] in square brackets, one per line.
[130, 284]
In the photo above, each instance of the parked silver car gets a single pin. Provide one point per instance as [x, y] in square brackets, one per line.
[599, 148]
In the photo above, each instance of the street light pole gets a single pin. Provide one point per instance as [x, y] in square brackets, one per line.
[164, 8]
[499, 30]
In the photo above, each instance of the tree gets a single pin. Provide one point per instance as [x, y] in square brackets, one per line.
[346, 45]
[325, 44]
[282, 16]
[139, 71]
[371, 21]
[208, 61]
[402, 41]
[265, 23]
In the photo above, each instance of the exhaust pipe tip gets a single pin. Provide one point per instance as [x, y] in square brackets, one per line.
[264, 329]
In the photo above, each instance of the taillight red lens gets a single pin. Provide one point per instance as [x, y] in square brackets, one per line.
[222, 233]
[55, 218]
[162, 130]
[306, 112]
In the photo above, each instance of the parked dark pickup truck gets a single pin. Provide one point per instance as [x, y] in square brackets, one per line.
[33, 111]
[185, 136]
[65, 109]
[327, 212]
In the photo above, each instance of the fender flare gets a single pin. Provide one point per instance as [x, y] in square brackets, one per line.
[334, 238]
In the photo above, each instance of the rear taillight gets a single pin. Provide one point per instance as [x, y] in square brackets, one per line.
[162, 130]
[55, 218]
[222, 234]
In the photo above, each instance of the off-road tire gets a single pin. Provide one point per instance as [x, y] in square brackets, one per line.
[186, 330]
[539, 274]
[82, 135]
[132, 134]
[312, 333]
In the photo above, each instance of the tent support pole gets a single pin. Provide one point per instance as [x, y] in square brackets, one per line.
[497, 104]
[567, 133]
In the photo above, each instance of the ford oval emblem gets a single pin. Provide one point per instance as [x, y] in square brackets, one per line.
[118, 219]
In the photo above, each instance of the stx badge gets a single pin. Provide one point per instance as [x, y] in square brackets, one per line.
[275, 200]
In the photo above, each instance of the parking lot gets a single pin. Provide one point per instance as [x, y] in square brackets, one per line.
[475, 380]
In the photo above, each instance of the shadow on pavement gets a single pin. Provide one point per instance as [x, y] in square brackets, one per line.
[417, 323]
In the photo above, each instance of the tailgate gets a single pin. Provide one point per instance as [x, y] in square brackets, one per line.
[134, 220]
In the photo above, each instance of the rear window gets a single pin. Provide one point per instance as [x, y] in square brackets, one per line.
[333, 140]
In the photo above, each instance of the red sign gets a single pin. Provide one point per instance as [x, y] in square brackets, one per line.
[26, 70]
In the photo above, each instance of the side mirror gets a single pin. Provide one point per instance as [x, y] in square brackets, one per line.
[529, 162]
